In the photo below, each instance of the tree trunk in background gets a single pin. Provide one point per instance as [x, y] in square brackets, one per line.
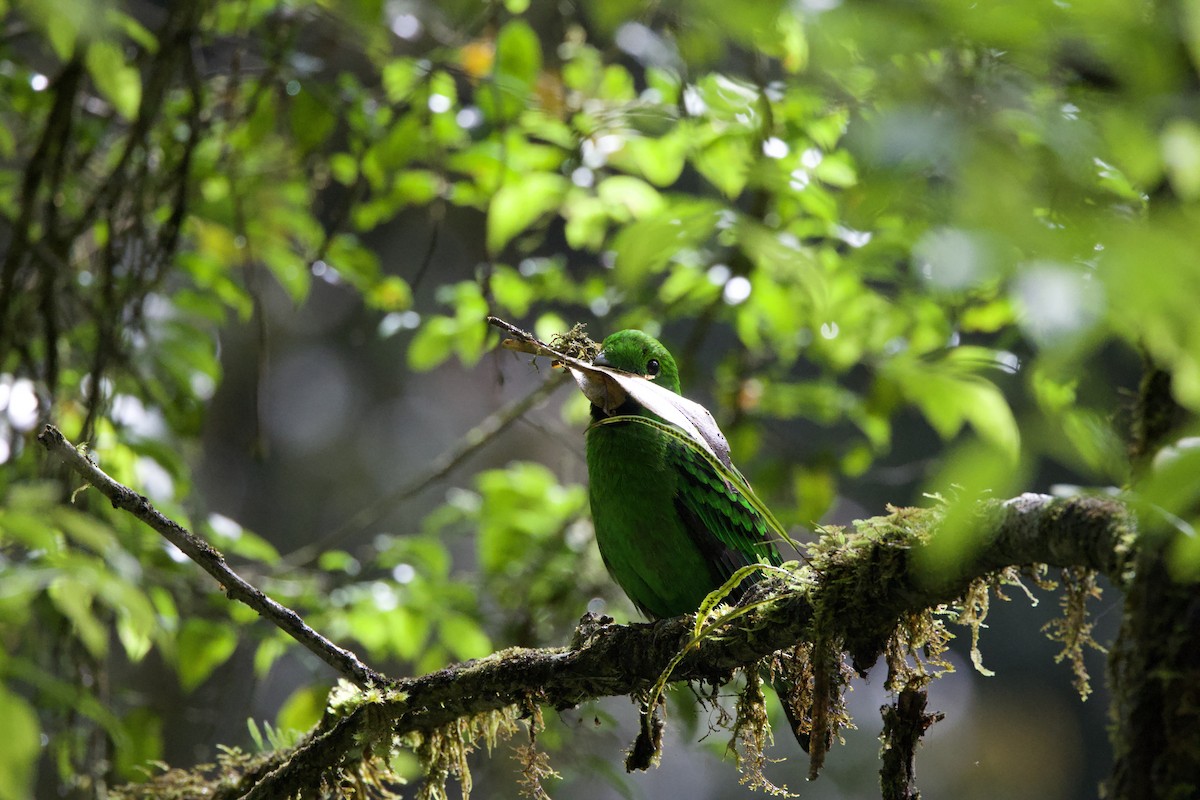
[1155, 675]
[1154, 668]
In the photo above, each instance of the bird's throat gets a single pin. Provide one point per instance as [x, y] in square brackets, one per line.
[629, 408]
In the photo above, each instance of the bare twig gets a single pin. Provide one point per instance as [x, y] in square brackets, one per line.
[522, 341]
[198, 550]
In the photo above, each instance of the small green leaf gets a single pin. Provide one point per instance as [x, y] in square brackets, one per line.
[616, 85]
[132, 28]
[339, 561]
[660, 160]
[417, 186]
[520, 203]
[203, 646]
[988, 317]
[8, 142]
[72, 596]
[647, 245]
[408, 632]
[793, 44]
[289, 269]
[141, 745]
[1171, 485]
[1053, 395]
[815, 489]
[135, 630]
[432, 344]
[1181, 155]
[85, 530]
[265, 655]
[311, 118]
[30, 530]
[518, 53]
[948, 395]
[989, 413]
[399, 78]
[629, 198]
[512, 291]
[115, 79]
[835, 169]
[344, 168]
[463, 637]
[354, 261]
[587, 221]
[725, 163]
[21, 748]
[248, 545]
[1184, 556]
[392, 293]
[303, 709]
[730, 98]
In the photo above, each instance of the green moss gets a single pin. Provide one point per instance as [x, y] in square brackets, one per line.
[443, 752]
[1074, 628]
[752, 736]
[204, 780]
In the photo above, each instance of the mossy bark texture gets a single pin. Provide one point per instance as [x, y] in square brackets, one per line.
[1155, 675]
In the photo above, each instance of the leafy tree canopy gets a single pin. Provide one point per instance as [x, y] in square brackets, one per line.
[941, 241]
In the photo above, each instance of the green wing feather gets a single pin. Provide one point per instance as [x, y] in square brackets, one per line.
[719, 510]
[718, 516]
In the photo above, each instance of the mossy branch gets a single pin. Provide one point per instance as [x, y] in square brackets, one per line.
[867, 576]
[624, 659]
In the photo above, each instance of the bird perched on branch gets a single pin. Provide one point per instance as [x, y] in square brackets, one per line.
[674, 519]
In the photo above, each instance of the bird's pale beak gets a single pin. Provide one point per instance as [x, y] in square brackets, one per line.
[601, 360]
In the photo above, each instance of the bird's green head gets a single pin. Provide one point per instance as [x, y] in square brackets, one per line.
[642, 354]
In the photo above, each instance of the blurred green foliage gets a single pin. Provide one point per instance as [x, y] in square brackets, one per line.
[942, 216]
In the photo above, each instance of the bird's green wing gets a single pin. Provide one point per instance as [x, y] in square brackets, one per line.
[725, 519]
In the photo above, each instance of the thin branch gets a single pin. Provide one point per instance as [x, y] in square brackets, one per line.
[437, 213]
[198, 550]
[52, 145]
[175, 42]
[468, 444]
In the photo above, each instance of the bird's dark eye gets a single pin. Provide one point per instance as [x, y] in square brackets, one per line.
[652, 367]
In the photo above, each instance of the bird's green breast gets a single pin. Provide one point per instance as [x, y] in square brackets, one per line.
[643, 542]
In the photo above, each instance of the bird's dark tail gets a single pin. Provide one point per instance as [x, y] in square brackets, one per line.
[800, 728]
[800, 721]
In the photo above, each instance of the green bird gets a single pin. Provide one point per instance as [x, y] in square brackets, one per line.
[670, 526]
